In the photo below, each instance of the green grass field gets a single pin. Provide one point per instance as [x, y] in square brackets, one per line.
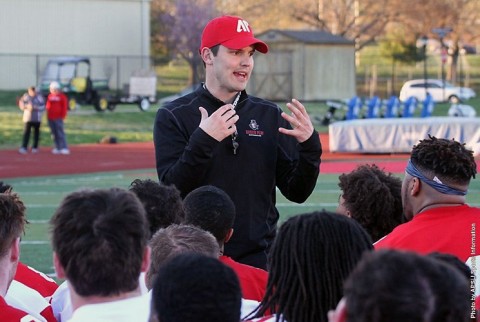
[42, 195]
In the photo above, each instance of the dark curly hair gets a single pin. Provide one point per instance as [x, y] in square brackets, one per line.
[373, 198]
[450, 160]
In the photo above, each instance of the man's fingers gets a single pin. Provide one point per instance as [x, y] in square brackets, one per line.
[203, 112]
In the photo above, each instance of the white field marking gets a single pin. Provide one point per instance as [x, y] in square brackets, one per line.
[303, 205]
[49, 182]
[42, 205]
[34, 242]
[38, 221]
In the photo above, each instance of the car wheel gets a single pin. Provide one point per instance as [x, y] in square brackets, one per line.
[144, 104]
[101, 103]
[454, 99]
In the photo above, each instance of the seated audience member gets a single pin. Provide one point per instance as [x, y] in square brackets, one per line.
[211, 209]
[99, 240]
[178, 239]
[433, 194]
[194, 287]
[30, 290]
[163, 204]
[373, 198]
[12, 224]
[396, 286]
[310, 259]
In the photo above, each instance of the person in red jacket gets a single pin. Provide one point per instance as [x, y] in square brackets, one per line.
[211, 209]
[57, 107]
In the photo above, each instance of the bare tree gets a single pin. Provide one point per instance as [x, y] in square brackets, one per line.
[422, 17]
[183, 24]
[361, 21]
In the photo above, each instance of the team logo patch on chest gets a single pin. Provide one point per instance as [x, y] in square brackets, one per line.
[254, 129]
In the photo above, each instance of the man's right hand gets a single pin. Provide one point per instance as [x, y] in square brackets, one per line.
[221, 123]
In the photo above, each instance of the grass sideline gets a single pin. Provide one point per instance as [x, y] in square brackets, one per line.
[42, 196]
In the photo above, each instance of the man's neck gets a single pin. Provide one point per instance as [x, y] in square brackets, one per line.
[428, 206]
[79, 301]
[226, 97]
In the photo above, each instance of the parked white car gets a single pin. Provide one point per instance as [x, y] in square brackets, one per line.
[451, 93]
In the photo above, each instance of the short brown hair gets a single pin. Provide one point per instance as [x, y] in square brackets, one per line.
[177, 239]
[12, 220]
[100, 237]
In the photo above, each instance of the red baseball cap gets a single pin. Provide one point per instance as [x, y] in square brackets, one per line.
[232, 32]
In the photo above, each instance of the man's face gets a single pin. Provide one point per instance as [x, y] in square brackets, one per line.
[341, 209]
[232, 68]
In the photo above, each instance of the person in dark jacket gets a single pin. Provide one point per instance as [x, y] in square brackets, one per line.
[219, 135]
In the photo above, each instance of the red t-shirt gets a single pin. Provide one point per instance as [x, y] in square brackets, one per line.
[253, 281]
[450, 230]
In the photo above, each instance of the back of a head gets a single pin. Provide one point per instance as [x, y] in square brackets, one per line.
[12, 220]
[360, 190]
[163, 204]
[311, 257]
[5, 187]
[211, 209]
[194, 287]
[178, 239]
[449, 160]
[100, 237]
[394, 286]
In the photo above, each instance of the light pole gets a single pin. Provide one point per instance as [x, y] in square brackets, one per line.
[424, 43]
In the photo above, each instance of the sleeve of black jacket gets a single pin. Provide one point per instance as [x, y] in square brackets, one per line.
[296, 178]
[181, 157]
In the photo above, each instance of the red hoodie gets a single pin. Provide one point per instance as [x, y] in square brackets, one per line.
[57, 106]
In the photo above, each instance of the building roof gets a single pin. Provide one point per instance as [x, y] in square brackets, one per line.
[307, 36]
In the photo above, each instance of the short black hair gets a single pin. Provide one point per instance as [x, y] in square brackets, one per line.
[163, 203]
[193, 287]
[396, 286]
[211, 209]
[450, 160]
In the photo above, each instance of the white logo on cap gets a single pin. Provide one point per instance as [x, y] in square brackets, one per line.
[242, 25]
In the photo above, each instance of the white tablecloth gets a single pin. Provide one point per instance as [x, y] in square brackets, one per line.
[398, 135]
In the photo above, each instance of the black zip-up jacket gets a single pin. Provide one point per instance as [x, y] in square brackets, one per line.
[189, 158]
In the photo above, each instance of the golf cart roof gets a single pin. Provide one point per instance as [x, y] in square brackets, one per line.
[69, 59]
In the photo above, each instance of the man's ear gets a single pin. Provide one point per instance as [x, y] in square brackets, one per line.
[58, 267]
[229, 235]
[146, 259]
[207, 55]
[415, 186]
[340, 313]
[15, 253]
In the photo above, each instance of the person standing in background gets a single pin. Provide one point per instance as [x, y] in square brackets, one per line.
[57, 107]
[32, 105]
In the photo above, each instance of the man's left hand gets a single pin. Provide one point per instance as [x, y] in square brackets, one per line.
[302, 127]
